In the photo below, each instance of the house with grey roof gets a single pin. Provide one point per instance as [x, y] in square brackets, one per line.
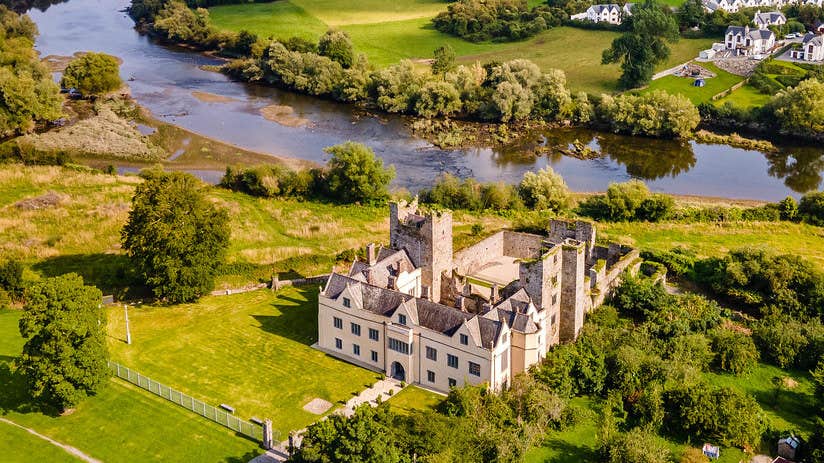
[812, 48]
[611, 13]
[744, 41]
[425, 315]
[770, 18]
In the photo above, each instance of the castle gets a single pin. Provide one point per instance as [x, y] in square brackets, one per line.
[425, 315]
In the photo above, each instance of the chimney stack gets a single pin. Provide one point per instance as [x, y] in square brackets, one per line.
[371, 254]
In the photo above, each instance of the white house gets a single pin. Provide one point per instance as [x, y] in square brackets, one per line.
[746, 41]
[608, 13]
[733, 6]
[770, 18]
[812, 48]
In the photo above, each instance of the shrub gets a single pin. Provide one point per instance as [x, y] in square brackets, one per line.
[337, 46]
[628, 201]
[544, 190]
[656, 114]
[269, 181]
[11, 278]
[811, 208]
[444, 59]
[92, 74]
[735, 352]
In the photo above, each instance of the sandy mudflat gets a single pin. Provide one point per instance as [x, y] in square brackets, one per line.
[212, 98]
[283, 115]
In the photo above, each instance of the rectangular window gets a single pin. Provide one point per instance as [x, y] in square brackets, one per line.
[402, 319]
[505, 360]
[431, 353]
[338, 323]
[338, 343]
[347, 303]
[464, 339]
[355, 329]
[552, 320]
[474, 369]
[355, 349]
[554, 280]
[452, 382]
[452, 360]
[373, 334]
[374, 356]
[430, 376]
[554, 299]
[399, 346]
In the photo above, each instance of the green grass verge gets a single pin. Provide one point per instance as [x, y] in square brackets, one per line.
[388, 31]
[684, 85]
[413, 398]
[120, 423]
[745, 97]
[251, 351]
[19, 446]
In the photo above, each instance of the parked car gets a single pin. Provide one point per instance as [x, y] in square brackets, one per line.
[791, 36]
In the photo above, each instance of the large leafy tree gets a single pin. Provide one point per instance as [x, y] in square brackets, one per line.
[355, 174]
[643, 45]
[92, 74]
[799, 109]
[28, 94]
[64, 357]
[175, 236]
[337, 46]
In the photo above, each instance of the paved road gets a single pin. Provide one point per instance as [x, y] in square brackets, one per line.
[67, 448]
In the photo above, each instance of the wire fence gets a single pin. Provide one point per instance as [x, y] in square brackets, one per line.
[219, 416]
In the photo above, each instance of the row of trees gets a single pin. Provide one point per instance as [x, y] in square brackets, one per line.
[499, 20]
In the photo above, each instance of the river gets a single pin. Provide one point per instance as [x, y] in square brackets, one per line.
[163, 79]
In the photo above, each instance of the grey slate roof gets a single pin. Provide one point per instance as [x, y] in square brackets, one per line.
[755, 34]
[390, 262]
[769, 17]
[513, 311]
[815, 40]
[606, 6]
[431, 315]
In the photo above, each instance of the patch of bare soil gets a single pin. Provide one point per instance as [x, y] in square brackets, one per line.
[317, 406]
[50, 199]
[284, 115]
[212, 98]
[789, 383]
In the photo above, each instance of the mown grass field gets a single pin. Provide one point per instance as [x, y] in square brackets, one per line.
[388, 31]
[745, 97]
[413, 398]
[684, 85]
[121, 423]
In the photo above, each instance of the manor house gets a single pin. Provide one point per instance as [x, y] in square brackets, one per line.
[425, 315]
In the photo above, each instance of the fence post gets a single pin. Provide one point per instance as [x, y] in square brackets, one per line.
[268, 443]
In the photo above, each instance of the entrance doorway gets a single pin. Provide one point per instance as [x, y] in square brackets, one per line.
[396, 371]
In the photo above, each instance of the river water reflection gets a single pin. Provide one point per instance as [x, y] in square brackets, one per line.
[166, 80]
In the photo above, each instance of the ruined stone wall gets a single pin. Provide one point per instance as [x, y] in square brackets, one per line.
[522, 245]
[468, 260]
[578, 230]
[572, 289]
[630, 260]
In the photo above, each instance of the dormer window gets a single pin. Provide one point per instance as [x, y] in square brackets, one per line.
[402, 319]
[464, 340]
[347, 302]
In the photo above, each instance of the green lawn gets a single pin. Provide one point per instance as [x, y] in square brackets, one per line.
[684, 85]
[388, 31]
[413, 398]
[251, 351]
[19, 446]
[745, 97]
[121, 423]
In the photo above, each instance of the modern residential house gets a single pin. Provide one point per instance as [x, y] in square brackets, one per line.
[812, 48]
[733, 6]
[746, 42]
[770, 18]
[611, 13]
[425, 315]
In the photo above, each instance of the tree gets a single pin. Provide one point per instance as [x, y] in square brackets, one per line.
[92, 74]
[656, 114]
[175, 237]
[553, 100]
[635, 446]
[355, 174]
[444, 59]
[644, 44]
[799, 109]
[337, 46]
[544, 190]
[64, 358]
[28, 95]
[691, 14]
[11, 277]
[437, 99]
[735, 352]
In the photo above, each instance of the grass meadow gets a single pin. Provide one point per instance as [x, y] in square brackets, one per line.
[388, 31]
[413, 398]
[121, 423]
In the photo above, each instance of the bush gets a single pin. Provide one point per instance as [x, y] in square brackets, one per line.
[92, 74]
[656, 114]
[269, 181]
[811, 208]
[11, 278]
[544, 190]
[788, 342]
[628, 201]
[337, 46]
[678, 261]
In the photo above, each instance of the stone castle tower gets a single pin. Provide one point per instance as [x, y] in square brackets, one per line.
[427, 238]
[572, 288]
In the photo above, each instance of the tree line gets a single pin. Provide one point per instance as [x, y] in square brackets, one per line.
[497, 20]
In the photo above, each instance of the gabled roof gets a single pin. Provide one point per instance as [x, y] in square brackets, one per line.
[814, 40]
[513, 311]
[755, 34]
[770, 17]
[390, 262]
[431, 315]
[605, 7]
